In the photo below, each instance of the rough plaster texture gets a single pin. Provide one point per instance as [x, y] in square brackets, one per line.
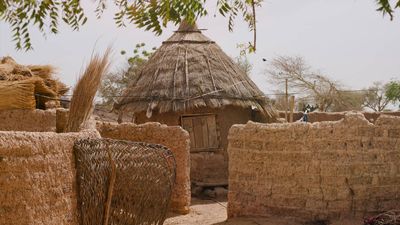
[28, 120]
[172, 137]
[37, 178]
[335, 116]
[349, 167]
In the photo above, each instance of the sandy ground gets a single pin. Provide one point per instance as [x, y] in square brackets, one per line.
[211, 212]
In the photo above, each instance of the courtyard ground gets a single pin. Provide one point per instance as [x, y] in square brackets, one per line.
[213, 212]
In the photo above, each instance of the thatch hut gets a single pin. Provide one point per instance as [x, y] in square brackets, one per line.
[189, 81]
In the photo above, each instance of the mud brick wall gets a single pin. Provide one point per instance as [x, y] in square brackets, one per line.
[28, 120]
[173, 137]
[335, 116]
[37, 178]
[349, 167]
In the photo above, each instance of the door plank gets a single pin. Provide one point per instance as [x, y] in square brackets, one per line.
[187, 124]
[212, 131]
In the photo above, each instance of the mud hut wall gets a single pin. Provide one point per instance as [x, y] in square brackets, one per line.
[327, 169]
[37, 178]
[335, 116]
[28, 120]
[207, 167]
[174, 138]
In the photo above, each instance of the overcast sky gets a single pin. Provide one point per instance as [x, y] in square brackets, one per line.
[345, 39]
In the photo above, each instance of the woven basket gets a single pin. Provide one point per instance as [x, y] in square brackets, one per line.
[122, 182]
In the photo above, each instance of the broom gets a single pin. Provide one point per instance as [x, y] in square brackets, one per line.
[85, 91]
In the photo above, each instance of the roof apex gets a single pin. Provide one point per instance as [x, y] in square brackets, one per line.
[186, 26]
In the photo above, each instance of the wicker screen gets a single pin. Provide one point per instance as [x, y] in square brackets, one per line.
[122, 182]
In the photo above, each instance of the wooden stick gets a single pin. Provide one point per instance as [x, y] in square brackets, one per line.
[291, 108]
[286, 100]
[110, 189]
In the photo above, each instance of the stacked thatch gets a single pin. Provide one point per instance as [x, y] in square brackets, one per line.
[190, 71]
[28, 87]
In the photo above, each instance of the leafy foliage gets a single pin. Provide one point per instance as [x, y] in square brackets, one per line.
[45, 15]
[231, 9]
[388, 7]
[114, 83]
[393, 91]
[151, 15]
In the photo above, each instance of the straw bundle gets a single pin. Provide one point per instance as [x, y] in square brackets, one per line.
[17, 94]
[46, 87]
[85, 91]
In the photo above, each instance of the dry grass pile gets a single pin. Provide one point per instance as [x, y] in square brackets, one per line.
[17, 95]
[85, 91]
[46, 88]
[386, 218]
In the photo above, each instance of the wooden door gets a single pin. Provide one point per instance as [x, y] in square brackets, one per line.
[203, 132]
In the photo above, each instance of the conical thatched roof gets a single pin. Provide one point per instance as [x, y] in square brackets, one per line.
[190, 71]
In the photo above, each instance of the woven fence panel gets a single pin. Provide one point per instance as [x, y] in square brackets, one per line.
[122, 182]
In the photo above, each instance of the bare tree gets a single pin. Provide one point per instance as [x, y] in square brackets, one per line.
[311, 84]
[375, 97]
[350, 100]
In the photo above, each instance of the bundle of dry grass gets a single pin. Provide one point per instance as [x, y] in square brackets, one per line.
[17, 94]
[46, 86]
[85, 91]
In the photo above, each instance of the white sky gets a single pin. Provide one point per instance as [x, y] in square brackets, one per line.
[345, 39]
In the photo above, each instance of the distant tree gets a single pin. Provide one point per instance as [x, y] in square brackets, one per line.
[310, 84]
[46, 15]
[349, 100]
[279, 102]
[113, 84]
[375, 98]
[393, 92]
[244, 63]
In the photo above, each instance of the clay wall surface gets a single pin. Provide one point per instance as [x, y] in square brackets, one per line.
[349, 167]
[172, 137]
[28, 120]
[335, 116]
[37, 178]
[207, 167]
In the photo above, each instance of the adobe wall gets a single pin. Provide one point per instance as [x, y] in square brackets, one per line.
[28, 120]
[349, 167]
[207, 167]
[172, 137]
[37, 178]
[335, 116]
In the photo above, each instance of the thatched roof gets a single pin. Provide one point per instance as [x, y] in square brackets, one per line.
[190, 71]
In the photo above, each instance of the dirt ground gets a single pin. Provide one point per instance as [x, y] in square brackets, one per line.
[213, 212]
